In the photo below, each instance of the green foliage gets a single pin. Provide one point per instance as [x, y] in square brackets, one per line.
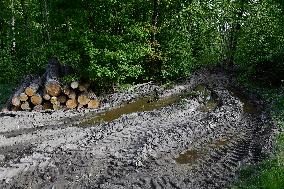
[5, 92]
[270, 173]
[261, 43]
[111, 42]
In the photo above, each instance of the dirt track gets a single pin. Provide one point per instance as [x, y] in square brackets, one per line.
[183, 145]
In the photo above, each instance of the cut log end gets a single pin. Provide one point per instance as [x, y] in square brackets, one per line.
[53, 88]
[26, 106]
[93, 104]
[36, 99]
[46, 96]
[16, 101]
[74, 84]
[54, 100]
[71, 103]
[66, 90]
[23, 97]
[29, 91]
[83, 99]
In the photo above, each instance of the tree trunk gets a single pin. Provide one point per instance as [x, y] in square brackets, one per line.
[71, 103]
[46, 96]
[155, 20]
[16, 95]
[23, 97]
[72, 95]
[74, 84]
[234, 34]
[47, 106]
[34, 86]
[62, 99]
[93, 104]
[26, 106]
[52, 85]
[38, 108]
[36, 99]
[83, 99]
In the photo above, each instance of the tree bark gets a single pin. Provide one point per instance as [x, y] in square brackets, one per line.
[52, 85]
[34, 86]
[155, 19]
[36, 99]
[16, 95]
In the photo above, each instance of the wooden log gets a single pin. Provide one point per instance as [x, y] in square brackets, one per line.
[25, 106]
[38, 108]
[62, 99]
[23, 97]
[71, 103]
[5, 109]
[54, 100]
[92, 95]
[16, 108]
[72, 95]
[93, 104]
[57, 106]
[46, 96]
[83, 87]
[16, 100]
[80, 106]
[52, 84]
[83, 99]
[36, 99]
[16, 95]
[34, 86]
[74, 84]
[47, 106]
[66, 90]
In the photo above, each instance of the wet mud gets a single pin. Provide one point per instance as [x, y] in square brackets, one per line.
[197, 134]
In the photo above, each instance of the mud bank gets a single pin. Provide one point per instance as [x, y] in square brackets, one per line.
[198, 138]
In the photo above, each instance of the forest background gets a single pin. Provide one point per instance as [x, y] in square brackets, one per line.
[121, 42]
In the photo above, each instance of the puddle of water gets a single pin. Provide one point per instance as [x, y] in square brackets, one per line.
[140, 105]
[248, 107]
[152, 103]
[209, 106]
[201, 90]
[188, 157]
[210, 101]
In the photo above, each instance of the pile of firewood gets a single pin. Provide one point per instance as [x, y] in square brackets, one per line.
[47, 92]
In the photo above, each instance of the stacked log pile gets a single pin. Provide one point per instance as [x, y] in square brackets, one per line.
[48, 93]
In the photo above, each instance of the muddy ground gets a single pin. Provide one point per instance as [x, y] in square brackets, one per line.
[196, 134]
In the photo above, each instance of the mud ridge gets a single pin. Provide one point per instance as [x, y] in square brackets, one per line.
[200, 140]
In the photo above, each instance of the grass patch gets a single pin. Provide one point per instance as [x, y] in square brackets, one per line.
[270, 173]
[5, 92]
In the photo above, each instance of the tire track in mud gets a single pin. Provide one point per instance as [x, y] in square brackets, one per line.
[178, 146]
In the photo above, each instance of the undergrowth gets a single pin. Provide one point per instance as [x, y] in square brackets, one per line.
[5, 92]
[268, 174]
